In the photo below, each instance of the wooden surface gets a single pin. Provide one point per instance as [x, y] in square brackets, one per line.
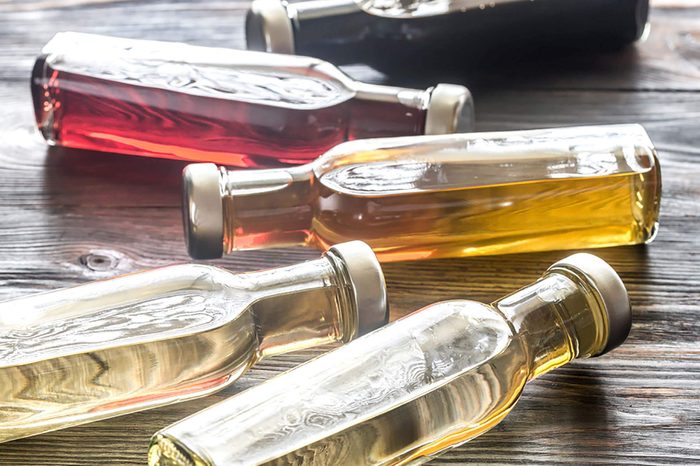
[69, 217]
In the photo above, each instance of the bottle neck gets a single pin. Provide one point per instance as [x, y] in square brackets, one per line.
[384, 111]
[560, 317]
[266, 208]
[303, 306]
[410, 98]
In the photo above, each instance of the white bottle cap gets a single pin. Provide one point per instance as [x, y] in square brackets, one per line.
[450, 110]
[202, 211]
[603, 278]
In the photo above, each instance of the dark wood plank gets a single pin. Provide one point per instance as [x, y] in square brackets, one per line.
[669, 60]
[72, 216]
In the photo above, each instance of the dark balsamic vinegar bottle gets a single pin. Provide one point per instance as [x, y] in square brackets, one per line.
[233, 107]
[454, 33]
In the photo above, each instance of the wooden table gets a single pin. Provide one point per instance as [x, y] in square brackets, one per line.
[69, 217]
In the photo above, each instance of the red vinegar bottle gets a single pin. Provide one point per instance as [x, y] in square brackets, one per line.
[232, 107]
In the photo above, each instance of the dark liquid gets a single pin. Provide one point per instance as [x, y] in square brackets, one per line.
[495, 35]
[85, 112]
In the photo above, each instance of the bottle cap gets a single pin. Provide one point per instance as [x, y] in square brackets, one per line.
[601, 276]
[202, 211]
[268, 27]
[450, 110]
[368, 286]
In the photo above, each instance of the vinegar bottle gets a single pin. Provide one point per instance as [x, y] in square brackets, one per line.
[452, 33]
[233, 107]
[414, 388]
[438, 196]
[167, 335]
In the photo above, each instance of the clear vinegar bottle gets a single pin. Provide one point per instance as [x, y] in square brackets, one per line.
[438, 196]
[414, 388]
[208, 104]
[152, 338]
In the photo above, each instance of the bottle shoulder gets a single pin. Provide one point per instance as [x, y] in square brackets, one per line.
[199, 276]
[460, 334]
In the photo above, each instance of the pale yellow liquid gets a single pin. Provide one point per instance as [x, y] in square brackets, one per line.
[427, 383]
[150, 339]
[478, 397]
[400, 435]
[199, 350]
[443, 418]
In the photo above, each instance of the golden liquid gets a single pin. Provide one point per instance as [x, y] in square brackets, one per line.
[423, 214]
[456, 195]
[393, 397]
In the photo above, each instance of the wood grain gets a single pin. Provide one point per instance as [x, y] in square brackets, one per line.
[71, 216]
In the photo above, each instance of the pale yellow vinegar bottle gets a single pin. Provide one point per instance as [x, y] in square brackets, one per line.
[414, 388]
[438, 196]
[167, 335]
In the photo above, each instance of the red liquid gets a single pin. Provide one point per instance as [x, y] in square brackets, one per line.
[85, 112]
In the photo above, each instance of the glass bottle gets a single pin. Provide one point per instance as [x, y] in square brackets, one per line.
[393, 33]
[438, 196]
[242, 108]
[158, 337]
[407, 392]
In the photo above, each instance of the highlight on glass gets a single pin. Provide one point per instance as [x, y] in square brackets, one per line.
[438, 196]
[416, 387]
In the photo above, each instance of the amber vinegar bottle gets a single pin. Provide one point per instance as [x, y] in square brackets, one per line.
[414, 388]
[148, 339]
[442, 196]
[234, 107]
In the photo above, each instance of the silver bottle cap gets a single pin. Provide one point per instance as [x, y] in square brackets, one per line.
[202, 211]
[268, 27]
[369, 288]
[609, 285]
[450, 110]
